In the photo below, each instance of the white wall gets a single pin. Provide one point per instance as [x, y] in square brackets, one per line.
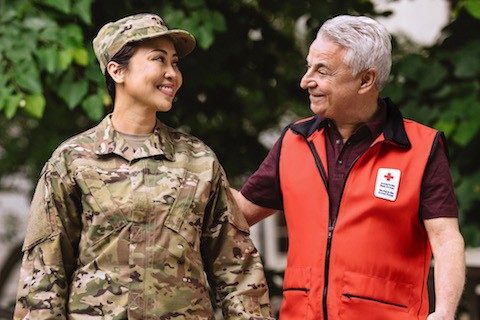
[419, 20]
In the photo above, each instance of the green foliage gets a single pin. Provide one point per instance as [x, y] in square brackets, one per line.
[204, 21]
[37, 47]
[473, 7]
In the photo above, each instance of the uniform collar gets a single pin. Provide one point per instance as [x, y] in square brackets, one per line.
[393, 128]
[108, 141]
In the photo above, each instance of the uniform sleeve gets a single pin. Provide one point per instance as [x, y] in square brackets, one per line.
[50, 248]
[263, 186]
[437, 194]
[232, 263]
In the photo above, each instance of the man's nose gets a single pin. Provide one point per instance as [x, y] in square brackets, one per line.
[306, 82]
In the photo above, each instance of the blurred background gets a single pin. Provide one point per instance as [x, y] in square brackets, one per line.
[241, 87]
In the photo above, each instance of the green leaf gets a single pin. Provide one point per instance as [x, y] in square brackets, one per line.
[471, 234]
[473, 7]
[61, 5]
[218, 21]
[395, 91]
[27, 77]
[83, 8]
[445, 125]
[427, 73]
[47, 58]
[205, 37]
[50, 33]
[8, 16]
[71, 91]
[469, 123]
[65, 58]
[106, 99]
[175, 18]
[466, 61]
[194, 4]
[435, 74]
[468, 191]
[18, 55]
[11, 105]
[4, 94]
[36, 23]
[466, 131]
[93, 106]
[35, 105]
[443, 92]
[71, 36]
[413, 110]
[80, 56]
[93, 73]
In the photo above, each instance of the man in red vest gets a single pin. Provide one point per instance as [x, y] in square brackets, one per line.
[367, 195]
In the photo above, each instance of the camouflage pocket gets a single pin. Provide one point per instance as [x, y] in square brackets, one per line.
[182, 218]
[104, 193]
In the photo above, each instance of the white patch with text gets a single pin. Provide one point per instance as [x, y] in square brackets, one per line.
[386, 185]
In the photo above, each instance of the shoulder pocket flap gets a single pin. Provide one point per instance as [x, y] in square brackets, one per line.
[39, 225]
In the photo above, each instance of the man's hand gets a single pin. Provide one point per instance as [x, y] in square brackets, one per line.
[252, 212]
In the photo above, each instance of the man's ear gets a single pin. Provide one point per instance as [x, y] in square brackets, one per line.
[368, 79]
[116, 71]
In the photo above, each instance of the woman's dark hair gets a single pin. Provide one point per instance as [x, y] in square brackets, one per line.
[122, 57]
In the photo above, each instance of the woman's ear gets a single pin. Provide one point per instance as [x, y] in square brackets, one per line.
[368, 80]
[116, 71]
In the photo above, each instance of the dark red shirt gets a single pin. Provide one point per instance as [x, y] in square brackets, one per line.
[437, 197]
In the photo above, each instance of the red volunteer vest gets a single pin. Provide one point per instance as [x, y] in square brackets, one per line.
[372, 263]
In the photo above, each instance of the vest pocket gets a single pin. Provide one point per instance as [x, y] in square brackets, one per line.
[296, 289]
[377, 298]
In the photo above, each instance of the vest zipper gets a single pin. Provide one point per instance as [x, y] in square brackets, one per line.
[318, 162]
[331, 224]
[331, 227]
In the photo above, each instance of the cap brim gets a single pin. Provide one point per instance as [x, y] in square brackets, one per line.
[184, 42]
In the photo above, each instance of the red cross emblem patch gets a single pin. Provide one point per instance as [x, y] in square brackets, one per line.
[387, 183]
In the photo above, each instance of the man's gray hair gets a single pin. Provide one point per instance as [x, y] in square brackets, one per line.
[367, 44]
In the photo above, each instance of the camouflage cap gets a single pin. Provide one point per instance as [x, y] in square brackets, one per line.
[114, 35]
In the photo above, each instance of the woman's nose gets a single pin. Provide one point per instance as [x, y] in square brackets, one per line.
[170, 72]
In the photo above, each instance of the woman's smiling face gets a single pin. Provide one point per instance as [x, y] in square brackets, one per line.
[152, 77]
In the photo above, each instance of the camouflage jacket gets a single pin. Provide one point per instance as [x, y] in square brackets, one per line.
[118, 234]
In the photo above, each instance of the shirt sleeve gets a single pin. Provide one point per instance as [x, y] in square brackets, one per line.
[437, 193]
[232, 263]
[263, 186]
[49, 250]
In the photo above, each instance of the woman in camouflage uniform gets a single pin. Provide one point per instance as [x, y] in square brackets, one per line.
[133, 219]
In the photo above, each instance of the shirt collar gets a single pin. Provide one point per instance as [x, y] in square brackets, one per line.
[387, 120]
[107, 141]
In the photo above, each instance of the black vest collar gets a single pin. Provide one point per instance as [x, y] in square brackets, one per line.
[393, 129]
